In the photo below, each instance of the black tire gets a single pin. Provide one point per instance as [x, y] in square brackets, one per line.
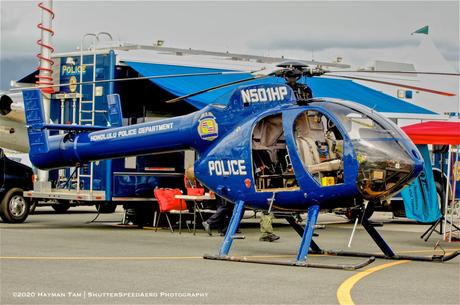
[14, 208]
[106, 207]
[61, 207]
[441, 192]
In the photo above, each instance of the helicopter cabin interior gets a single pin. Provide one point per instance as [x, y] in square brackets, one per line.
[319, 145]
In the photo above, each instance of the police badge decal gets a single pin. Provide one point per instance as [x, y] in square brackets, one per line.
[208, 129]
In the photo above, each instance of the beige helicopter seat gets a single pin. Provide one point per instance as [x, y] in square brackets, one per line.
[309, 155]
[269, 136]
[308, 131]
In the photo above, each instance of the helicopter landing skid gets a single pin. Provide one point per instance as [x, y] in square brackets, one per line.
[434, 258]
[243, 259]
[305, 245]
[388, 253]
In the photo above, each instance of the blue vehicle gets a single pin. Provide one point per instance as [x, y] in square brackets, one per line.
[265, 149]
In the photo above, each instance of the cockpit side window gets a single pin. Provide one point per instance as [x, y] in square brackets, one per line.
[383, 163]
[271, 162]
[320, 147]
[357, 125]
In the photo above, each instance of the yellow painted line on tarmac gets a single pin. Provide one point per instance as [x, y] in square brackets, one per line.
[170, 257]
[128, 257]
[180, 257]
[99, 257]
[344, 291]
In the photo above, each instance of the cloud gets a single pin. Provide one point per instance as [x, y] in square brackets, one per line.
[359, 31]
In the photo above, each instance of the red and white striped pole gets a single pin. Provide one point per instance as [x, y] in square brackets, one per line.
[45, 75]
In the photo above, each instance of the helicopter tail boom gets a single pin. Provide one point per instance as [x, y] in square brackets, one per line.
[86, 143]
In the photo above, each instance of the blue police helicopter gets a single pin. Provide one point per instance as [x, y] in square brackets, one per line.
[266, 149]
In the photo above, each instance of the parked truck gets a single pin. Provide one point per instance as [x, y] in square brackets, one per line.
[15, 178]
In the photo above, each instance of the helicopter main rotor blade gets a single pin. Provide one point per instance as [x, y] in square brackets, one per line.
[141, 78]
[394, 84]
[259, 74]
[393, 72]
[177, 99]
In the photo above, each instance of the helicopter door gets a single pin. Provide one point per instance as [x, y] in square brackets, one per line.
[319, 145]
[272, 167]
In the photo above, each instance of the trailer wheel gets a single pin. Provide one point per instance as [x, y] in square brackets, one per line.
[106, 207]
[61, 207]
[14, 207]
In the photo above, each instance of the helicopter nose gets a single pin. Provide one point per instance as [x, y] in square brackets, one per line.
[386, 166]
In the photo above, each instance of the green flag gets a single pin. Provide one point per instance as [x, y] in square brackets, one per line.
[423, 30]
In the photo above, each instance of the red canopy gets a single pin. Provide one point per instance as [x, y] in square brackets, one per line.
[434, 133]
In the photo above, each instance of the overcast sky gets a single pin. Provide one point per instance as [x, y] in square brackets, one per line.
[359, 31]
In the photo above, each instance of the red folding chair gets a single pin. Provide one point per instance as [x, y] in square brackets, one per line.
[168, 203]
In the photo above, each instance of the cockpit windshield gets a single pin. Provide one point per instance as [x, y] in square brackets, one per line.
[384, 164]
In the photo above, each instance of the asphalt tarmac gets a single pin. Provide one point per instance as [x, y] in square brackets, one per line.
[62, 259]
